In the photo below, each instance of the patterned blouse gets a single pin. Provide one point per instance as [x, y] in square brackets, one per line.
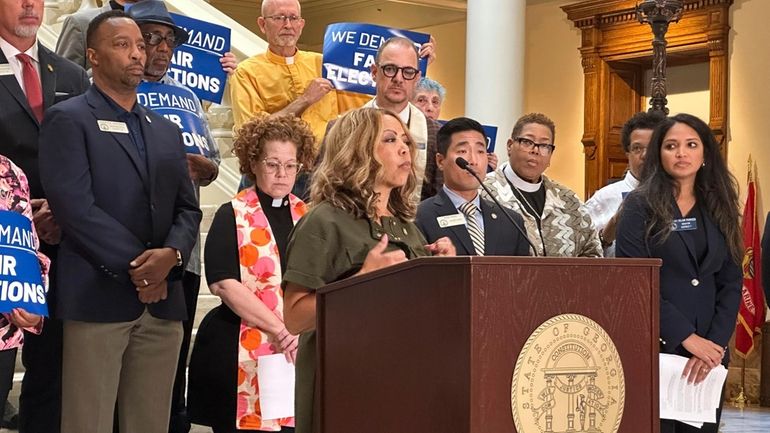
[14, 196]
[567, 230]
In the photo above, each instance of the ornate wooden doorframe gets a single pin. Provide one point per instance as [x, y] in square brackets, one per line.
[614, 43]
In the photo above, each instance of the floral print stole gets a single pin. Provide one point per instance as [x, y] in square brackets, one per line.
[261, 273]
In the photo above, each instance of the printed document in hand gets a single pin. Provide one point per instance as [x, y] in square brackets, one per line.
[686, 402]
[275, 377]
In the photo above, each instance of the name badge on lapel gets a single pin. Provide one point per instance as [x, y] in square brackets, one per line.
[451, 220]
[684, 225]
[5, 69]
[110, 126]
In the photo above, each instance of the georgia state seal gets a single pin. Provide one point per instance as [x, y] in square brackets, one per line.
[568, 378]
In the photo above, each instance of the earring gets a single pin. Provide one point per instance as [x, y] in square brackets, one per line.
[704, 164]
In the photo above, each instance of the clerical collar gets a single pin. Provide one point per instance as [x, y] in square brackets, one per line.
[404, 114]
[266, 199]
[518, 182]
[276, 58]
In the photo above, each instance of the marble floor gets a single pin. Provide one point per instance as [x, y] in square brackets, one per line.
[749, 420]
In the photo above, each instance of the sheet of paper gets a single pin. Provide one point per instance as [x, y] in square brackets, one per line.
[694, 424]
[276, 386]
[682, 401]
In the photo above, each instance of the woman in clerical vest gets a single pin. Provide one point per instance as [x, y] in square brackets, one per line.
[245, 257]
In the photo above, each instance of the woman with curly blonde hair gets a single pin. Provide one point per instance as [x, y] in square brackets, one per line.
[361, 221]
[245, 257]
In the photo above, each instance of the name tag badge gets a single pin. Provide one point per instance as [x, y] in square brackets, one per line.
[110, 126]
[451, 220]
[5, 69]
[684, 225]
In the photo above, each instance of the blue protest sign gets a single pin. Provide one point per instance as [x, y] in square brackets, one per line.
[491, 132]
[21, 283]
[196, 63]
[178, 105]
[350, 50]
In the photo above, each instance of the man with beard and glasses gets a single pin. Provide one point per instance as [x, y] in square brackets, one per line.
[117, 180]
[33, 78]
[161, 36]
[396, 74]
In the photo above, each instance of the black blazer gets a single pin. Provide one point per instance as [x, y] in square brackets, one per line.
[112, 206]
[701, 299]
[19, 129]
[500, 238]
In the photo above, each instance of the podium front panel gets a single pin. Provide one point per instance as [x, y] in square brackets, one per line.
[431, 345]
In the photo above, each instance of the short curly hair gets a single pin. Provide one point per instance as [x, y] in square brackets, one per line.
[538, 118]
[251, 139]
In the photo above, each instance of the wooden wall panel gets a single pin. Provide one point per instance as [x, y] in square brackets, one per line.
[614, 45]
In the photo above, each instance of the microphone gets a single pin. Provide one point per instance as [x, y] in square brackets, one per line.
[462, 163]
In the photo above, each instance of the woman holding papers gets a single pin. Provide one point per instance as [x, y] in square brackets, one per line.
[361, 221]
[245, 259]
[685, 212]
[14, 197]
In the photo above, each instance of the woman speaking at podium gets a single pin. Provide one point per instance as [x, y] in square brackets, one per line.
[685, 212]
[361, 221]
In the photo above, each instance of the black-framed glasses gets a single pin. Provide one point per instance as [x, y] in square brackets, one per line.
[390, 71]
[154, 39]
[280, 19]
[272, 166]
[637, 149]
[527, 144]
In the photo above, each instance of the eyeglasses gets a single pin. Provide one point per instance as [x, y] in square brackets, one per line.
[390, 71]
[154, 39]
[528, 145]
[272, 166]
[280, 19]
[637, 149]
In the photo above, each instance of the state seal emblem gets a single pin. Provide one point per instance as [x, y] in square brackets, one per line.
[568, 378]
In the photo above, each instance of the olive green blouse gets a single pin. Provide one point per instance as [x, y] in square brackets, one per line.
[329, 244]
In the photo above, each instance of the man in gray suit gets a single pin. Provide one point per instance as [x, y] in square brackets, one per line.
[32, 78]
[72, 40]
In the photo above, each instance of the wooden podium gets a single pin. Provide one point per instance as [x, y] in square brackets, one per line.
[430, 345]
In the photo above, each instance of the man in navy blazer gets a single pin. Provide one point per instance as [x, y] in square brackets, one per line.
[117, 180]
[58, 79]
[475, 226]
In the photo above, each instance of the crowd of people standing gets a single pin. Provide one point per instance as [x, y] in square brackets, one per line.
[335, 184]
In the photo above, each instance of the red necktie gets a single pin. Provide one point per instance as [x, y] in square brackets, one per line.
[32, 85]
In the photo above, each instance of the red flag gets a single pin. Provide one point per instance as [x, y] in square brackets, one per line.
[751, 315]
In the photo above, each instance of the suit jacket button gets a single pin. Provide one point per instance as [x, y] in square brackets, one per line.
[695, 282]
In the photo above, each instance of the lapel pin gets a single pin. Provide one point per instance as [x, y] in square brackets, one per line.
[494, 216]
[50, 68]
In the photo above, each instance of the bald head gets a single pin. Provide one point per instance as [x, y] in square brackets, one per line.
[269, 5]
[397, 41]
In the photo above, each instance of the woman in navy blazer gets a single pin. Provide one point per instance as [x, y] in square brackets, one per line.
[685, 212]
